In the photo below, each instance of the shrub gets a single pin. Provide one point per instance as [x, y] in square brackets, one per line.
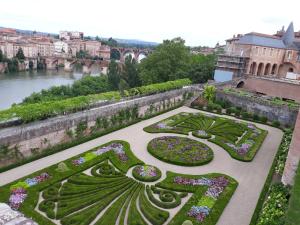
[256, 117]
[276, 123]
[245, 115]
[263, 119]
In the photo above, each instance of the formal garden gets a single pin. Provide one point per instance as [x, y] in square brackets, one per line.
[93, 188]
[241, 140]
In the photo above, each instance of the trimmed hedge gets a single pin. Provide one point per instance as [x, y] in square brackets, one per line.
[161, 202]
[43, 110]
[155, 215]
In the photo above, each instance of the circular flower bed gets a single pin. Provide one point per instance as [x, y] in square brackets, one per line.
[146, 173]
[180, 151]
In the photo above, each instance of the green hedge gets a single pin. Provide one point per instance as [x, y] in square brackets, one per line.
[155, 215]
[43, 110]
[159, 202]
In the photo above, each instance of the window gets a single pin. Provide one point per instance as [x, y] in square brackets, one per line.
[271, 52]
[289, 54]
[264, 51]
[257, 50]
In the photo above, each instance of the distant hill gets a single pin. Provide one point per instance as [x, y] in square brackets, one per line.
[129, 42]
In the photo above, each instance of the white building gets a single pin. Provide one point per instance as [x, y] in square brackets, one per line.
[61, 47]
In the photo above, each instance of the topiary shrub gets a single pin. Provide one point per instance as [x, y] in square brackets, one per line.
[62, 167]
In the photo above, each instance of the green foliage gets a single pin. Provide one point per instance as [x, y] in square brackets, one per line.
[12, 65]
[167, 61]
[276, 123]
[209, 93]
[145, 178]
[180, 151]
[115, 54]
[114, 75]
[130, 72]
[81, 54]
[293, 212]
[20, 55]
[62, 167]
[1, 55]
[275, 206]
[85, 86]
[283, 151]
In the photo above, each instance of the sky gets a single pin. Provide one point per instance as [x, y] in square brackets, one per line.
[199, 22]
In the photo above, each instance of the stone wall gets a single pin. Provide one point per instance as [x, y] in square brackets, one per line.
[293, 157]
[28, 139]
[283, 114]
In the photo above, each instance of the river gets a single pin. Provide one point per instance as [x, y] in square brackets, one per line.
[14, 87]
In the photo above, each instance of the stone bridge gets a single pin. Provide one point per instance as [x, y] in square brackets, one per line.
[136, 53]
[68, 63]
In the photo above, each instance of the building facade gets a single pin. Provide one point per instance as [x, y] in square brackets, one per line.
[259, 54]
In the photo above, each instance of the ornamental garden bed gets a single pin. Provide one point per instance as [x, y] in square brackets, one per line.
[67, 193]
[240, 139]
[180, 151]
[146, 173]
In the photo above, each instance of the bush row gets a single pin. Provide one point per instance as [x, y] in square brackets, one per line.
[43, 110]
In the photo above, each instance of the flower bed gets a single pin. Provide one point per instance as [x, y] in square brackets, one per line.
[211, 193]
[206, 202]
[180, 151]
[146, 173]
[117, 148]
[19, 190]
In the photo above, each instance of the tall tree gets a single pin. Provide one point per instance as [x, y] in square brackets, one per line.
[168, 62]
[114, 75]
[1, 55]
[130, 72]
[20, 54]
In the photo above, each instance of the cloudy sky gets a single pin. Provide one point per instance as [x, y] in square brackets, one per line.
[198, 22]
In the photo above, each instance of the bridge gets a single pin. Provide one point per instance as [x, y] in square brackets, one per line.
[68, 63]
[136, 53]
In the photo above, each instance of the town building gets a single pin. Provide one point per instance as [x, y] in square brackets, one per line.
[259, 54]
[70, 35]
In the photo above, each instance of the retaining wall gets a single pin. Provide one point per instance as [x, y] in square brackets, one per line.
[283, 114]
[28, 139]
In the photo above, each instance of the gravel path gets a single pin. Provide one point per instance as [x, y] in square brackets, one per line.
[250, 175]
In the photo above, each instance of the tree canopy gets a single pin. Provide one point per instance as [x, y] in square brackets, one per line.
[20, 54]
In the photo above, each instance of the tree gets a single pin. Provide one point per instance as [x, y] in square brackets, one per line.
[130, 72]
[1, 55]
[113, 75]
[123, 85]
[82, 54]
[115, 54]
[31, 65]
[169, 61]
[20, 54]
[209, 93]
